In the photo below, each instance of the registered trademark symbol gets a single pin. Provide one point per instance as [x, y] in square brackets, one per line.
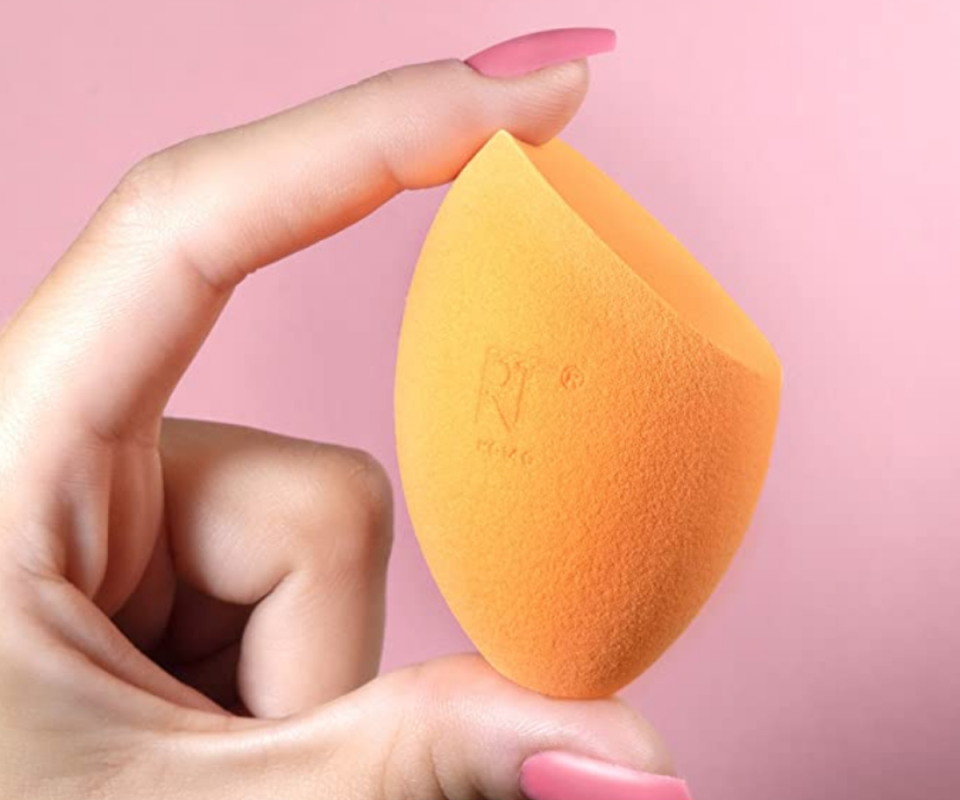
[571, 377]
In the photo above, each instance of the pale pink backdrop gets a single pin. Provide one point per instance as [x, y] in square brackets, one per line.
[808, 153]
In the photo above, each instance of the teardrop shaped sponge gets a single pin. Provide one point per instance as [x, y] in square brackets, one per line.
[584, 420]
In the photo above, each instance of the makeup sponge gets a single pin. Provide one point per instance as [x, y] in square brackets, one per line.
[584, 420]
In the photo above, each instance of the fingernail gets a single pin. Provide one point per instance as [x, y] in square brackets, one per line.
[563, 776]
[542, 49]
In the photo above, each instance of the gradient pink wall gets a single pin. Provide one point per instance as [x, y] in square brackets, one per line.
[808, 153]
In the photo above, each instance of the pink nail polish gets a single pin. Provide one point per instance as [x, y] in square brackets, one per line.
[563, 776]
[542, 49]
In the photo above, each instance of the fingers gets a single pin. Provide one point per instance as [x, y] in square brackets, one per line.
[451, 729]
[122, 314]
[300, 530]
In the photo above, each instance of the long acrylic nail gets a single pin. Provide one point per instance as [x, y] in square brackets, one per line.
[558, 775]
[542, 49]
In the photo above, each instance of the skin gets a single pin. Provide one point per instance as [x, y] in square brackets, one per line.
[196, 609]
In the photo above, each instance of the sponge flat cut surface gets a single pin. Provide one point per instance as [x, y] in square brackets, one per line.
[584, 420]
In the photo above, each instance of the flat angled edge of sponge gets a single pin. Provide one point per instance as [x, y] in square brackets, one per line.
[644, 245]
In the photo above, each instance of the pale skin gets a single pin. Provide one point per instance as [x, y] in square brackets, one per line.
[196, 609]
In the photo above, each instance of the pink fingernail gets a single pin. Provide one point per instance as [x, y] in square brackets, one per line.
[563, 776]
[542, 49]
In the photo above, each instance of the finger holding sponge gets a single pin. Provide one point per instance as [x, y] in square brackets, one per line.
[584, 420]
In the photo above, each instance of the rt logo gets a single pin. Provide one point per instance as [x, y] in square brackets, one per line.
[505, 377]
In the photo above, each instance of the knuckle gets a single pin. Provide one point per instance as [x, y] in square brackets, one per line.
[347, 494]
[146, 195]
[138, 198]
[370, 476]
[364, 482]
[157, 201]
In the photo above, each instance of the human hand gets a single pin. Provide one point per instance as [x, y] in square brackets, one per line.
[196, 609]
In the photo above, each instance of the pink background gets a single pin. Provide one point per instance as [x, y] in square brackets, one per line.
[808, 153]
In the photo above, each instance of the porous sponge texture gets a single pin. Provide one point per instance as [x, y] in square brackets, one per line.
[583, 418]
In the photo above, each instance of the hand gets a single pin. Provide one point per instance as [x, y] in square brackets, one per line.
[194, 609]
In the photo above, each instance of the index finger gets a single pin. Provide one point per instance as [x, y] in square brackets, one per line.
[100, 346]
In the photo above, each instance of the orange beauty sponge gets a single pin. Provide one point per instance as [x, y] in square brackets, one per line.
[583, 420]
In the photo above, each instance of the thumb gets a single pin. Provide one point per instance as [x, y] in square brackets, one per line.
[451, 729]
